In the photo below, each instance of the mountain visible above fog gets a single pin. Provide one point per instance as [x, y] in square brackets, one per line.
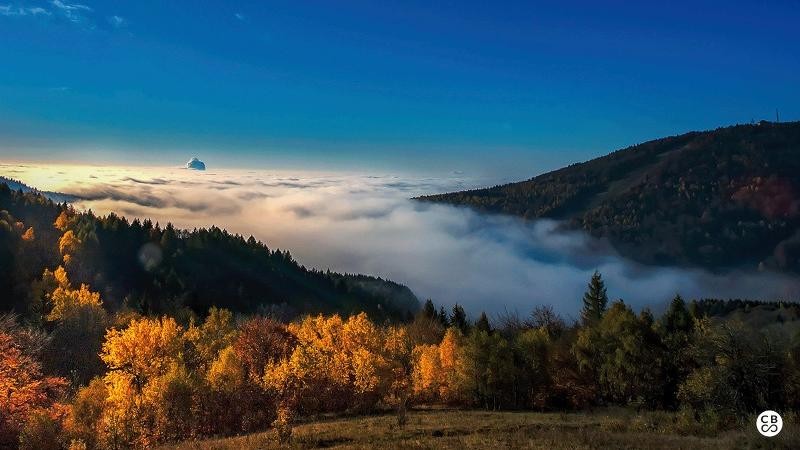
[196, 164]
[716, 199]
[57, 197]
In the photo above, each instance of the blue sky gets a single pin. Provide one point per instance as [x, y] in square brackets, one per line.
[506, 89]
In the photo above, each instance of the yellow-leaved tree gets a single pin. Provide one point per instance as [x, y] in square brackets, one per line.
[439, 370]
[398, 348]
[145, 374]
[64, 220]
[427, 372]
[453, 366]
[63, 299]
[217, 332]
[226, 374]
[68, 244]
[336, 365]
[363, 345]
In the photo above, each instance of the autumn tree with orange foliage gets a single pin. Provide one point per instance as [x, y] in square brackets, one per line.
[77, 322]
[63, 299]
[337, 365]
[145, 368]
[398, 348]
[215, 333]
[64, 220]
[68, 244]
[261, 341]
[439, 370]
[24, 389]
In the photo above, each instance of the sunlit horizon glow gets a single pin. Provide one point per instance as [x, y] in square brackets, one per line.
[504, 90]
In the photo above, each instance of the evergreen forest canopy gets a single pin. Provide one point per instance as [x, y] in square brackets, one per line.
[716, 199]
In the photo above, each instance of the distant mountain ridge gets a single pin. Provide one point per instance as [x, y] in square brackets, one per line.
[57, 197]
[718, 199]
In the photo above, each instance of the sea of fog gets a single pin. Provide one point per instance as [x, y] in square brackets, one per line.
[365, 223]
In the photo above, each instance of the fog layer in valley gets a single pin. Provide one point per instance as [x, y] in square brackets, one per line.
[367, 224]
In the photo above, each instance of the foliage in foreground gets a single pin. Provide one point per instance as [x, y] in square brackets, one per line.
[163, 382]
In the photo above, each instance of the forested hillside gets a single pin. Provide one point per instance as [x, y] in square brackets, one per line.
[125, 335]
[85, 379]
[152, 269]
[721, 198]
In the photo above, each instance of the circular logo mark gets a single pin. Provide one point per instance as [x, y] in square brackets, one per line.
[769, 423]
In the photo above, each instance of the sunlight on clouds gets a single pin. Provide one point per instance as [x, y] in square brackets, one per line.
[366, 224]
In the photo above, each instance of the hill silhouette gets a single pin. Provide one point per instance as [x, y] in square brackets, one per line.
[724, 198]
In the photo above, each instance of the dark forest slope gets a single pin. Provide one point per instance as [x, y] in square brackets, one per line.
[159, 270]
[721, 198]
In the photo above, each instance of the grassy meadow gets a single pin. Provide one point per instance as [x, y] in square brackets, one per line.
[613, 428]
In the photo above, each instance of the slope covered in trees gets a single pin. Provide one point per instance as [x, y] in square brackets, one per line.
[147, 380]
[152, 269]
[721, 198]
[129, 335]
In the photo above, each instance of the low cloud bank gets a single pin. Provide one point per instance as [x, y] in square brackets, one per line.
[366, 224]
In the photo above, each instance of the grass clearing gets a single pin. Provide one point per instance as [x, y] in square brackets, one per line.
[454, 429]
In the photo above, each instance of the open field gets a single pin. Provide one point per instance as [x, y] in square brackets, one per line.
[482, 429]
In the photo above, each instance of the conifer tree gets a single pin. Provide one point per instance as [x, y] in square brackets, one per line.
[677, 318]
[458, 318]
[594, 300]
[443, 317]
[428, 310]
[482, 324]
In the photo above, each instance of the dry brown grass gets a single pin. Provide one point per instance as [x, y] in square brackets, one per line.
[445, 429]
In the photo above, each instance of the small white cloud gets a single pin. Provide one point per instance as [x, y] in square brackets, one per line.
[117, 21]
[73, 12]
[9, 10]
[67, 7]
[239, 16]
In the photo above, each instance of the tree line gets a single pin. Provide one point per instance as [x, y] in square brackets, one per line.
[78, 369]
[132, 380]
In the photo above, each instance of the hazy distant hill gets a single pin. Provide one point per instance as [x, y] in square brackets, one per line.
[57, 197]
[721, 198]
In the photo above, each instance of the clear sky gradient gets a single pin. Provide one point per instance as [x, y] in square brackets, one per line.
[502, 88]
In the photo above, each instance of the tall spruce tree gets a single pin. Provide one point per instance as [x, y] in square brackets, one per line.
[443, 317]
[594, 300]
[458, 318]
[428, 310]
[482, 324]
[677, 318]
